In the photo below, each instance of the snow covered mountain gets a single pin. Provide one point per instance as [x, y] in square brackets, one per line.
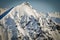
[27, 24]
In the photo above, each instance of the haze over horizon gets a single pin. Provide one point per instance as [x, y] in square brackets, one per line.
[39, 5]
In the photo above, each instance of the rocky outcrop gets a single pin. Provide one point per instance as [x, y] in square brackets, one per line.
[27, 24]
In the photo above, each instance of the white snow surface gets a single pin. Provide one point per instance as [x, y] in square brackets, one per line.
[27, 21]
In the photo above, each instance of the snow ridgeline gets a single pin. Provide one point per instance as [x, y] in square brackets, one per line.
[26, 23]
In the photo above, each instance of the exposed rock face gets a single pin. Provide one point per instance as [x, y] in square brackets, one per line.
[26, 24]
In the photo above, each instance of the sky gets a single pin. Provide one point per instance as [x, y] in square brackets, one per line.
[39, 5]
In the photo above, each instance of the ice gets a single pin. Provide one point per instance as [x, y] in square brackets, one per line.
[27, 24]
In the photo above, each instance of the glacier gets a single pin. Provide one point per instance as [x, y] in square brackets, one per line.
[25, 23]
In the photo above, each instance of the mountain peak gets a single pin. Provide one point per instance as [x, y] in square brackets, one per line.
[26, 3]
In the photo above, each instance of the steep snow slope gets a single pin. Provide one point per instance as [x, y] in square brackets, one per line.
[27, 23]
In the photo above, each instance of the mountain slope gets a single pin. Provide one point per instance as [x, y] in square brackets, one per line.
[27, 23]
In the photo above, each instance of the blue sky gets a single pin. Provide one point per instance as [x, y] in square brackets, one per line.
[39, 5]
